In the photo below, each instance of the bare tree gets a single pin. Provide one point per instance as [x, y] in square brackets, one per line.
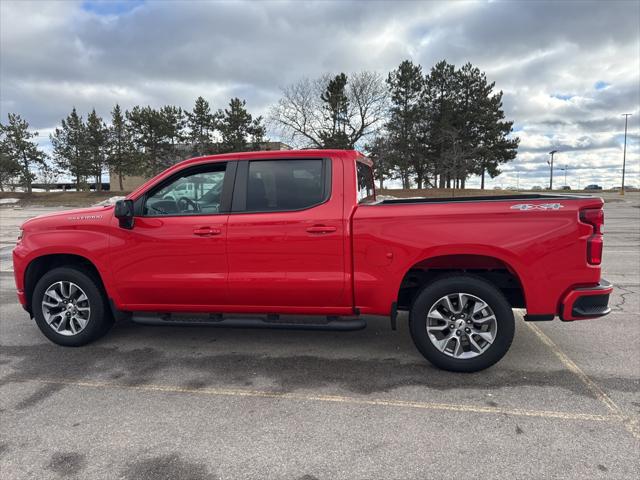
[48, 174]
[300, 116]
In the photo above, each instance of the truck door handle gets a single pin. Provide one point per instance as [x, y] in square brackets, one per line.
[206, 231]
[321, 229]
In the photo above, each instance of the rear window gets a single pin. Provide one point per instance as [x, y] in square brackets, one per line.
[280, 185]
[366, 190]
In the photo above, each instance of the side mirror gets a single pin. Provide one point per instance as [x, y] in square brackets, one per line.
[124, 212]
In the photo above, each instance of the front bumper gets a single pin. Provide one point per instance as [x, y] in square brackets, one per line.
[587, 302]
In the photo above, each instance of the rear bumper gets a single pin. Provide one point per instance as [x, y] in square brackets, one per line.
[587, 302]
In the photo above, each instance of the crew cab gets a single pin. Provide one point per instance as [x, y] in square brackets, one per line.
[298, 239]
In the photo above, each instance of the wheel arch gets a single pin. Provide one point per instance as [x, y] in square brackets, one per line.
[38, 266]
[493, 269]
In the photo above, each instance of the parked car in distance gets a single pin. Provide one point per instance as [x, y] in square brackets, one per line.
[271, 234]
[565, 187]
[593, 187]
[536, 188]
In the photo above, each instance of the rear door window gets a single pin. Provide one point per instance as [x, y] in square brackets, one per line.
[282, 185]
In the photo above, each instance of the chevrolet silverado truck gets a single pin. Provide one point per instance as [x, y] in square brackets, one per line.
[298, 239]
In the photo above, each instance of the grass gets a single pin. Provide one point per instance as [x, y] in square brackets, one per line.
[66, 199]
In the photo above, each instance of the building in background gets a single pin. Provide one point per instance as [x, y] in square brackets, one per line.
[130, 183]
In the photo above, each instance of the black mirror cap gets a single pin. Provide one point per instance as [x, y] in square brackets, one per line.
[124, 212]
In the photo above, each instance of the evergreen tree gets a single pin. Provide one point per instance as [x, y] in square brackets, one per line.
[147, 125]
[173, 134]
[404, 126]
[122, 157]
[70, 148]
[97, 143]
[9, 166]
[336, 113]
[384, 162]
[19, 153]
[240, 131]
[439, 127]
[466, 132]
[496, 147]
[201, 123]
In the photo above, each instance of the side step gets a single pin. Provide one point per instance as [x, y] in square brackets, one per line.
[288, 322]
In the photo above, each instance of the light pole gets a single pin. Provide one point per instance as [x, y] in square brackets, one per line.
[624, 152]
[565, 174]
[550, 162]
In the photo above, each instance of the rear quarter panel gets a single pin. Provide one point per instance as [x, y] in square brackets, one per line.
[546, 249]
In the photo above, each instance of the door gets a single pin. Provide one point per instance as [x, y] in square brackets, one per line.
[285, 236]
[175, 255]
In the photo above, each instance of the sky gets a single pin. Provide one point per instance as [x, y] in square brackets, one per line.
[568, 70]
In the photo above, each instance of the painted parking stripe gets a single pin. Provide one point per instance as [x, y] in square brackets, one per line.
[339, 399]
[630, 423]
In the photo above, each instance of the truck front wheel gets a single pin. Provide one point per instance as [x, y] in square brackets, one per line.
[462, 323]
[70, 308]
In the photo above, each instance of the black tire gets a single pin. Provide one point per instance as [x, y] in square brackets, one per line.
[472, 285]
[100, 319]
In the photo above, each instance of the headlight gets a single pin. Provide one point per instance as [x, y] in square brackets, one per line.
[20, 235]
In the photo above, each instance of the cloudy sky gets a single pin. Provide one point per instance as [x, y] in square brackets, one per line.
[568, 69]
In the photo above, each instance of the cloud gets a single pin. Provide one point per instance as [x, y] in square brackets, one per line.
[567, 69]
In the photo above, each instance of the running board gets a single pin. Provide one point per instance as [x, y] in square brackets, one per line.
[289, 322]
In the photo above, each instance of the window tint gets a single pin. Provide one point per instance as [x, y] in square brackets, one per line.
[274, 185]
[366, 190]
[196, 192]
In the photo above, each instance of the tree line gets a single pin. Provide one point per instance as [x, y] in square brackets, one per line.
[428, 130]
[140, 141]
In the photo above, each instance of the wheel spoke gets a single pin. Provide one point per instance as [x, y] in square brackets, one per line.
[449, 305]
[81, 321]
[478, 306]
[462, 302]
[442, 344]
[486, 336]
[484, 319]
[63, 323]
[437, 328]
[51, 293]
[53, 318]
[457, 351]
[435, 314]
[65, 286]
[474, 343]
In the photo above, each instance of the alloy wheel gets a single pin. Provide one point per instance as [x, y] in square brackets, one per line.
[66, 308]
[461, 325]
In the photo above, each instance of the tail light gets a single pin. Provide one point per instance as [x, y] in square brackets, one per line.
[595, 218]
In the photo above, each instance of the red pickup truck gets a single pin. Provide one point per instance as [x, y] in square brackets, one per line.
[298, 239]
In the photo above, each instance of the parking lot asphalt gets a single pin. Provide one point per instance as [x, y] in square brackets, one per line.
[205, 403]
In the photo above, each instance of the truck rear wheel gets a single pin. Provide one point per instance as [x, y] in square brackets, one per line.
[70, 308]
[462, 323]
